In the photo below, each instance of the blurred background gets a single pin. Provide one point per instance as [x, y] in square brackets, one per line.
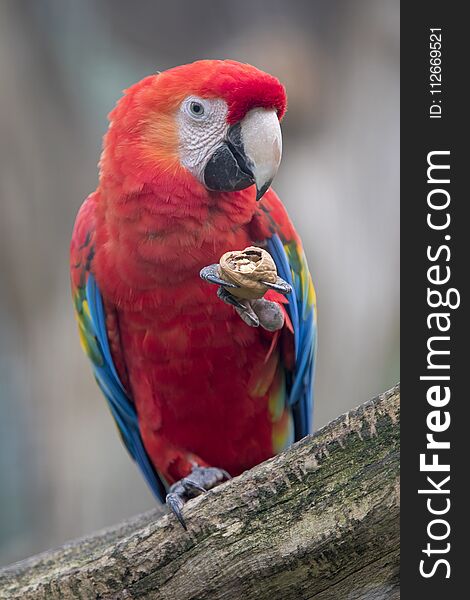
[63, 64]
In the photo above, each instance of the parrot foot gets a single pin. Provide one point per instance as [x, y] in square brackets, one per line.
[199, 481]
[269, 313]
[255, 312]
[252, 312]
[242, 307]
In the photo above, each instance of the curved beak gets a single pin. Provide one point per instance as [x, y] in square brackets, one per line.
[249, 155]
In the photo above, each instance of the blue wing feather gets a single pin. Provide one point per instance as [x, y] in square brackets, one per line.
[301, 311]
[122, 408]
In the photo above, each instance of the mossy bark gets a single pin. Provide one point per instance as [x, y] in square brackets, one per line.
[319, 521]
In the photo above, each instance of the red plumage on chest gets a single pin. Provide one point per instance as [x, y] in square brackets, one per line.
[190, 361]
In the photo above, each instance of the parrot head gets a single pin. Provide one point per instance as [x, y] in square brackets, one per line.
[212, 124]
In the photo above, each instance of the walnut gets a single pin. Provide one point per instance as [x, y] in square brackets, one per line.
[250, 269]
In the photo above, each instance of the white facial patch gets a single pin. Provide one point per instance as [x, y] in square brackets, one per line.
[202, 126]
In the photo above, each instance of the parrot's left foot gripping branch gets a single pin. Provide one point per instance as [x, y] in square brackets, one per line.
[200, 480]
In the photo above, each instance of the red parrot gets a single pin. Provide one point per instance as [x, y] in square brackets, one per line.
[202, 386]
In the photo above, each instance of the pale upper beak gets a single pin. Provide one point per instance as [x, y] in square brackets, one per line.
[262, 139]
[250, 154]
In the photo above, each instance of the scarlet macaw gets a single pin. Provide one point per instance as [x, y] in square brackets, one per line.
[198, 393]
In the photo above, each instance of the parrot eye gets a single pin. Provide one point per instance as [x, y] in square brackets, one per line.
[196, 109]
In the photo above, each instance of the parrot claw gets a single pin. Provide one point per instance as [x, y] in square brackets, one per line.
[200, 480]
[211, 274]
[255, 312]
[243, 307]
[280, 286]
[176, 504]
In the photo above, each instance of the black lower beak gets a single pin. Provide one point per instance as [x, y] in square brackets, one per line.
[262, 190]
[228, 169]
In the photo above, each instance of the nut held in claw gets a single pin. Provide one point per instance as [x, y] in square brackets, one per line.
[249, 269]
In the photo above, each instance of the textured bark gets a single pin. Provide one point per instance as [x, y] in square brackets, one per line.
[319, 521]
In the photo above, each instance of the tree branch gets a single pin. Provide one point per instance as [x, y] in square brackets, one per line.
[318, 521]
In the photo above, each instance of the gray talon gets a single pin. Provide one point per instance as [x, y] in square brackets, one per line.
[225, 473]
[228, 298]
[200, 480]
[176, 504]
[242, 307]
[211, 274]
[194, 484]
[247, 314]
[280, 286]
